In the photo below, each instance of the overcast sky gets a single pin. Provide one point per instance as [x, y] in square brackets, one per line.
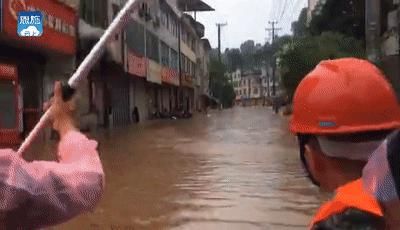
[247, 19]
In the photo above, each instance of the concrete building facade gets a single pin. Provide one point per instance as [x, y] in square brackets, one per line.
[158, 63]
[248, 88]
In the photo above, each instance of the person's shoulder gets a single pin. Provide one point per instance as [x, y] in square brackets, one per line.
[351, 218]
[7, 151]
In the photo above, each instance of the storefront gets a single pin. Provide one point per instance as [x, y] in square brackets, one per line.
[10, 104]
[119, 87]
[31, 64]
[137, 70]
[188, 92]
[170, 79]
[154, 88]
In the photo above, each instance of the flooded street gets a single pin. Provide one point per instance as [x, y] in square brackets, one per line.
[237, 169]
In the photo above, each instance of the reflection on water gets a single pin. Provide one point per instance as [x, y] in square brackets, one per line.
[237, 169]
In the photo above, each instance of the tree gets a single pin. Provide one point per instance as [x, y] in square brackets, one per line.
[298, 57]
[248, 50]
[221, 88]
[299, 27]
[342, 16]
[248, 47]
[234, 59]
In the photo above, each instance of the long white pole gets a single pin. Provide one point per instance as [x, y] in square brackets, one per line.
[85, 67]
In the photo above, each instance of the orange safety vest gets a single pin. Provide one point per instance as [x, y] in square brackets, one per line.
[351, 195]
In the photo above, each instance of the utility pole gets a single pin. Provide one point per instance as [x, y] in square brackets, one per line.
[273, 29]
[219, 25]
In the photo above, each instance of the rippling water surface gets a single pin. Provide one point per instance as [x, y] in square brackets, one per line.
[236, 169]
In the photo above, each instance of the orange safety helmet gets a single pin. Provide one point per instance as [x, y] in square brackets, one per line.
[341, 96]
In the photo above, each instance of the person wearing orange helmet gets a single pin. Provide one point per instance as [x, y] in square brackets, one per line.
[342, 111]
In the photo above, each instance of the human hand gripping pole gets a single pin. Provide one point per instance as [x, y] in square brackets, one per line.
[83, 69]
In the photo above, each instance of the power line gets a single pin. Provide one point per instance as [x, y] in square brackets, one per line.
[270, 9]
[292, 9]
[283, 10]
[290, 15]
[276, 9]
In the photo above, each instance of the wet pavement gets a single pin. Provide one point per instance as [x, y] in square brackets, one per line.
[236, 169]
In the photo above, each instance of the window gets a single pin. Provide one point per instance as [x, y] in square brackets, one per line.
[169, 22]
[187, 66]
[115, 9]
[240, 92]
[245, 92]
[188, 39]
[193, 69]
[183, 63]
[174, 59]
[135, 37]
[94, 12]
[152, 47]
[193, 45]
[177, 26]
[184, 36]
[164, 54]
[255, 90]
[164, 18]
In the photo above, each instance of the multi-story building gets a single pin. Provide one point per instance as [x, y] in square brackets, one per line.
[159, 62]
[268, 82]
[235, 78]
[255, 87]
[28, 67]
[204, 73]
[248, 88]
[150, 67]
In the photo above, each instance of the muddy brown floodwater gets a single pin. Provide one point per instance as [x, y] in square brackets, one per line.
[237, 169]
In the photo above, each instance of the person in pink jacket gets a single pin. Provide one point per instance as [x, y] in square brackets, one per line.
[41, 194]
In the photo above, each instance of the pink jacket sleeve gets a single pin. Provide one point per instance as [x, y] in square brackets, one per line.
[41, 194]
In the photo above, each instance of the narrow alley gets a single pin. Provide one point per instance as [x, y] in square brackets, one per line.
[235, 169]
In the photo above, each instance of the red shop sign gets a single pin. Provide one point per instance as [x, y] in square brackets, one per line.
[137, 65]
[170, 76]
[59, 24]
[8, 72]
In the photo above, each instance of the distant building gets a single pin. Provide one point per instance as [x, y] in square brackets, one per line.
[268, 82]
[235, 78]
[248, 87]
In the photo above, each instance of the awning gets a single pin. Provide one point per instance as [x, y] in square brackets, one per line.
[194, 5]
[87, 31]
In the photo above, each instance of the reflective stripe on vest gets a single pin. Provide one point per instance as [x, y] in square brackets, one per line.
[351, 195]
